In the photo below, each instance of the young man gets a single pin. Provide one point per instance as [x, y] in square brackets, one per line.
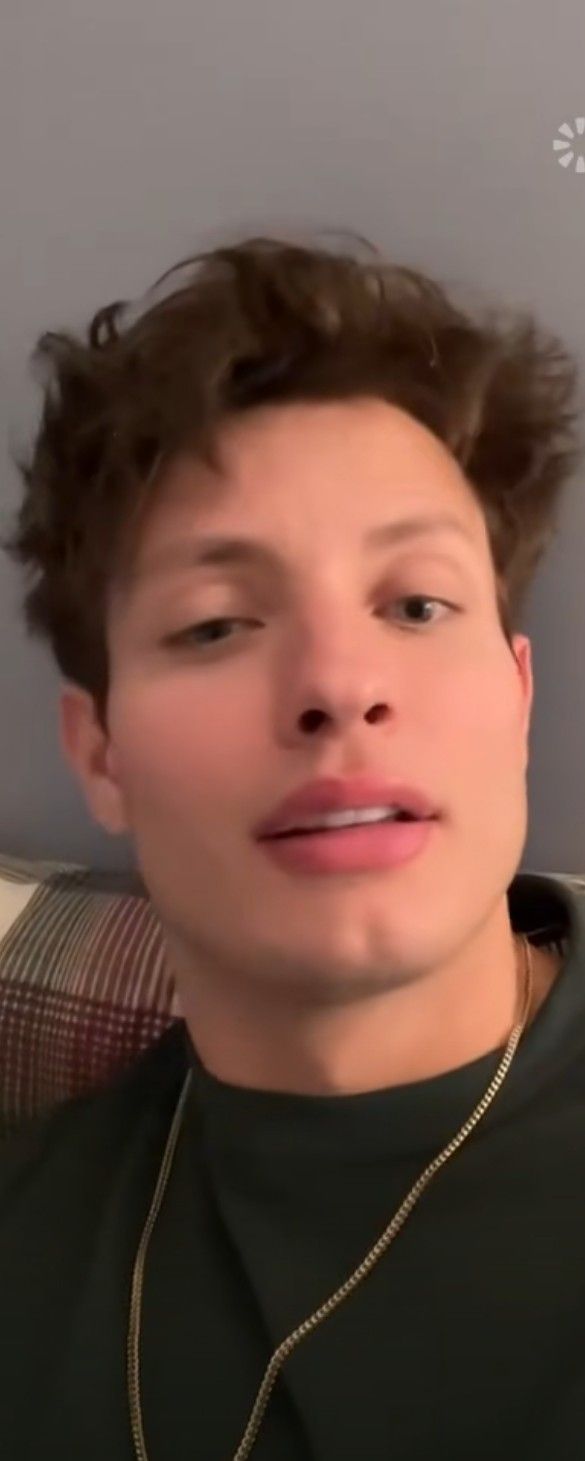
[283, 524]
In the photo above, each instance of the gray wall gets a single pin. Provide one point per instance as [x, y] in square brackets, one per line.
[133, 133]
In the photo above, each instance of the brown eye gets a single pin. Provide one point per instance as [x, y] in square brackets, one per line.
[424, 599]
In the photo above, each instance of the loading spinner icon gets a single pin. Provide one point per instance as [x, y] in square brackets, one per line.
[564, 145]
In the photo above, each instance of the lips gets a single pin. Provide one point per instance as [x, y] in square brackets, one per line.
[333, 794]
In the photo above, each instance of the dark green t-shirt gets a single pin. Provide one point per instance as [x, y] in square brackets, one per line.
[465, 1342]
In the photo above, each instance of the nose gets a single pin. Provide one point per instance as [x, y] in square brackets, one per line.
[311, 720]
[335, 683]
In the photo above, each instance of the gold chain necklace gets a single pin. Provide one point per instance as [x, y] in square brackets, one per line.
[284, 1349]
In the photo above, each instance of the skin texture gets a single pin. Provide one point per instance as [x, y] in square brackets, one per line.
[327, 984]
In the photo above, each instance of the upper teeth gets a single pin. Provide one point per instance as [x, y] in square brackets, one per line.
[345, 819]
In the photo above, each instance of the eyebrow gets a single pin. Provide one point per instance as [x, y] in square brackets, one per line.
[216, 551]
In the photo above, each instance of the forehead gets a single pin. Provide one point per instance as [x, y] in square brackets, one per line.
[348, 444]
[303, 478]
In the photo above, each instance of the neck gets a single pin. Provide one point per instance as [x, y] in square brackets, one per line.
[432, 1022]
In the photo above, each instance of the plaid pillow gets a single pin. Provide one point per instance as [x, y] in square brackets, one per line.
[84, 986]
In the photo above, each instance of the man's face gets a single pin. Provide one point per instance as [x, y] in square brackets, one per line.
[205, 738]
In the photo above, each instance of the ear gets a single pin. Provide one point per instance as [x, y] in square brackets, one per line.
[91, 756]
[523, 654]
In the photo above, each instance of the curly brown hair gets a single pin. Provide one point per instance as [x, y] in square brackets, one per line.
[270, 320]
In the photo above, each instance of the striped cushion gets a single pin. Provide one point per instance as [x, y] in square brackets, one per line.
[84, 986]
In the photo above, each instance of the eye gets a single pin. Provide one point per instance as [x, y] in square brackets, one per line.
[199, 632]
[425, 599]
[209, 631]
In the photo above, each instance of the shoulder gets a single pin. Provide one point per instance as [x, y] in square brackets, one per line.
[72, 1151]
[73, 1186]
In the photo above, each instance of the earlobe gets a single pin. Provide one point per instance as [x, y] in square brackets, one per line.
[91, 759]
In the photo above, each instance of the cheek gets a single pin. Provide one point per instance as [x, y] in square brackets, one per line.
[177, 750]
[484, 743]
[479, 691]
[484, 710]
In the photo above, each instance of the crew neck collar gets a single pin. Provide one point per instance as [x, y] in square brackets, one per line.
[291, 1128]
